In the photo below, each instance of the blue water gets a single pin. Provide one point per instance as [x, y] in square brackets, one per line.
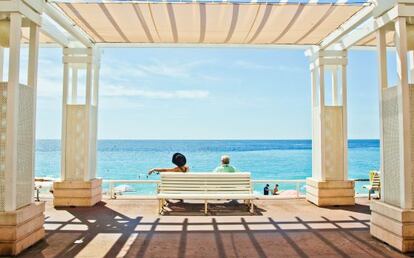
[265, 159]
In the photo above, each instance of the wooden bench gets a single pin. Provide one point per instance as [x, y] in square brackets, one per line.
[205, 186]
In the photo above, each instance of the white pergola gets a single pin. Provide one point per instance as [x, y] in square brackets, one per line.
[326, 30]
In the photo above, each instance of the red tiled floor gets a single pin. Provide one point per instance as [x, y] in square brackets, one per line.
[281, 228]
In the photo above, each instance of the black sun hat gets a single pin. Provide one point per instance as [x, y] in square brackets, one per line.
[179, 159]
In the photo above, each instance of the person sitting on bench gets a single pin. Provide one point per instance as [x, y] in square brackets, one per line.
[179, 160]
[225, 165]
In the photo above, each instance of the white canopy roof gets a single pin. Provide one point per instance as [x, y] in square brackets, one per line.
[208, 22]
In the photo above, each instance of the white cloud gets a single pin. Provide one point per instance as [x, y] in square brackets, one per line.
[166, 70]
[125, 70]
[255, 66]
[123, 91]
[118, 78]
[250, 65]
[177, 70]
[50, 84]
[119, 71]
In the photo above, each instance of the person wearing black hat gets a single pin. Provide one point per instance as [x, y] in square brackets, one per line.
[179, 160]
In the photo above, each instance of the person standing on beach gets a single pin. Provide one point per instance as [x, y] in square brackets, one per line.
[225, 165]
[179, 160]
[276, 190]
[266, 190]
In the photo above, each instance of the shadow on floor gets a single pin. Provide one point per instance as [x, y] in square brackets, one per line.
[360, 208]
[100, 231]
[230, 208]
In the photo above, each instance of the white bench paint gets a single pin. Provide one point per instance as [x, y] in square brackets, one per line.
[205, 186]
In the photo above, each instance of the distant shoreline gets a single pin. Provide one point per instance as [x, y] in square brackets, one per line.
[209, 139]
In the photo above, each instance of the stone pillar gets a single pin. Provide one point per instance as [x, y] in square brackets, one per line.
[392, 217]
[79, 185]
[21, 220]
[329, 184]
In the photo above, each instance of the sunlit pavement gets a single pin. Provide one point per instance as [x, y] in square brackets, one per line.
[280, 228]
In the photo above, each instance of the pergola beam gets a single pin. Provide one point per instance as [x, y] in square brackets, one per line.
[50, 30]
[373, 24]
[28, 9]
[69, 26]
[347, 27]
[357, 35]
[368, 26]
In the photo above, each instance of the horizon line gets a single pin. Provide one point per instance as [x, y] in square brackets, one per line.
[257, 139]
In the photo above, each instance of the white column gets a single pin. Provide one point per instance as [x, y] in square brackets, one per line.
[12, 109]
[79, 134]
[314, 92]
[404, 117]
[1, 63]
[90, 116]
[64, 109]
[18, 211]
[96, 83]
[383, 84]
[329, 184]
[334, 86]
[32, 80]
[89, 83]
[33, 55]
[95, 102]
[411, 67]
[393, 216]
[344, 100]
[74, 97]
[321, 120]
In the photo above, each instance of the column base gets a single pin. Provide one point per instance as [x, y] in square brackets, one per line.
[330, 193]
[392, 225]
[21, 228]
[77, 193]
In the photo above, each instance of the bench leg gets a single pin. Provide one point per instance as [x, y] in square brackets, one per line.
[159, 206]
[205, 207]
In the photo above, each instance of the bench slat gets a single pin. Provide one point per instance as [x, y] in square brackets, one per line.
[204, 187]
[206, 174]
[202, 178]
[205, 183]
[204, 191]
[207, 196]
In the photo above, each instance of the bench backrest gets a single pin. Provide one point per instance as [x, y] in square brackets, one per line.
[205, 183]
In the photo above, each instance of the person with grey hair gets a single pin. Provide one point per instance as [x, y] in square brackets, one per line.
[225, 165]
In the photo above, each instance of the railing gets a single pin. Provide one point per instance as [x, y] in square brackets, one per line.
[113, 194]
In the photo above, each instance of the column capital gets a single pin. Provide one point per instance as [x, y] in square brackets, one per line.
[328, 58]
[32, 10]
[80, 57]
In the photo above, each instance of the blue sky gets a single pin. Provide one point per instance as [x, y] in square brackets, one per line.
[208, 93]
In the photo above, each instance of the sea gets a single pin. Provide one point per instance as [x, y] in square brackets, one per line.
[265, 159]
